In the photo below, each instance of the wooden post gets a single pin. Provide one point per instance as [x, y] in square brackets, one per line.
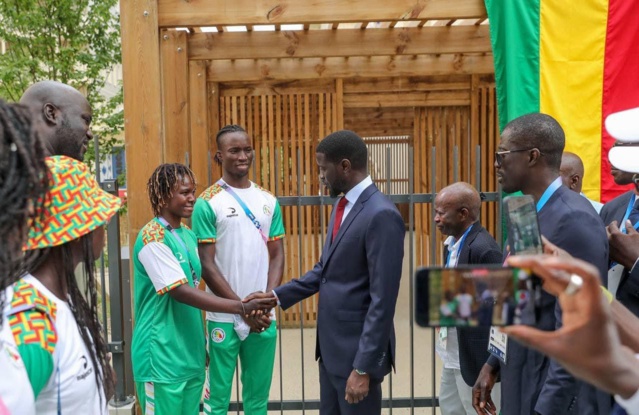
[339, 107]
[175, 89]
[142, 104]
[199, 124]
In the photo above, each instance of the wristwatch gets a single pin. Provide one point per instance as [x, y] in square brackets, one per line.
[360, 372]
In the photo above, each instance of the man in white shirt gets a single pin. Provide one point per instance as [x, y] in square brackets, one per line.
[463, 351]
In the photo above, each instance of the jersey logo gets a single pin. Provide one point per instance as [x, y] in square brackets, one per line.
[13, 354]
[218, 335]
[85, 370]
[266, 210]
[232, 214]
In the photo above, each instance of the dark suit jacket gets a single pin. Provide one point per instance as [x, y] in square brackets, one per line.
[530, 381]
[628, 290]
[479, 248]
[358, 278]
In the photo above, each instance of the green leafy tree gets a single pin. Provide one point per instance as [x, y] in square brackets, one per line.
[76, 42]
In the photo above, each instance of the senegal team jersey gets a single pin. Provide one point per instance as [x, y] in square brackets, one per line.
[56, 359]
[240, 248]
[168, 338]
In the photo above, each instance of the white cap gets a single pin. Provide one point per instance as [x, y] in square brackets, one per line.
[623, 126]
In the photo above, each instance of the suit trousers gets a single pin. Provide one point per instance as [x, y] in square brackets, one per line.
[333, 393]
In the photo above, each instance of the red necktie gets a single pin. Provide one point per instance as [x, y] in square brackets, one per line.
[338, 216]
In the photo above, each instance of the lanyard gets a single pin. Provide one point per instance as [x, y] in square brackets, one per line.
[459, 248]
[556, 184]
[246, 209]
[171, 229]
[622, 225]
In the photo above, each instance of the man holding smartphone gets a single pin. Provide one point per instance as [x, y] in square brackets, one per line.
[463, 350]
[528, 159]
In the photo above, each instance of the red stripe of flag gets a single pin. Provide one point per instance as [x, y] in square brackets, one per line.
[620, 80]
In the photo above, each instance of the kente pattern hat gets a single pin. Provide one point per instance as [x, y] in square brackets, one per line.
[75, 205]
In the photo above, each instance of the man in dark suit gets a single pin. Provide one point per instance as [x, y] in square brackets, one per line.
[621, 284]
[528, 159]
[358, 277]
[463, 350]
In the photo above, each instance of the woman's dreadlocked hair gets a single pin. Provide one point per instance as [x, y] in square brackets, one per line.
[163, 181]
[84, 307]
[23, 185]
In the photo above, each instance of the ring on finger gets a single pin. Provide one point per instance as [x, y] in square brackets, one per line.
[575, 284]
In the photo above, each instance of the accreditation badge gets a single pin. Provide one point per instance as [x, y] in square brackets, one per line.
[498, 344]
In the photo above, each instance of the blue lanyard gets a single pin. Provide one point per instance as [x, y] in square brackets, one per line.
[246, 209]
[622, 225]
[459, 248]
[171, 229]
[548, 193]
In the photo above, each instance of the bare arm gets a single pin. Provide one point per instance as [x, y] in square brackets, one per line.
[275, 263]
[212, 275]
[208, 302]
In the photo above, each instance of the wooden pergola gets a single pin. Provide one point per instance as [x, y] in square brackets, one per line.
[292, 72]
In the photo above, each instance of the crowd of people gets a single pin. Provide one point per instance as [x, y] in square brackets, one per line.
[54, 358]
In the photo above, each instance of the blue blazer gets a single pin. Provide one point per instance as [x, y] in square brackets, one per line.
[358, 277]
[530, 382]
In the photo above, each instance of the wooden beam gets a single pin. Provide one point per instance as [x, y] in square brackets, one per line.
[199, 121]
[175, 89]
[398, 84]
[277, 87]
[178, 13]
[410, 99]
[142, 105]
[322, 68]
[347, 43]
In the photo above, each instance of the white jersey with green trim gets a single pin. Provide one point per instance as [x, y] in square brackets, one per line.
[15, 389]
[241, 253]
[75, 389]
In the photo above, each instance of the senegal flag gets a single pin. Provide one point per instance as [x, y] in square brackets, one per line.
[575, 60]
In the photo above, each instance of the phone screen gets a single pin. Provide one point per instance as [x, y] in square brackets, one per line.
[473, 296]
[523, 228]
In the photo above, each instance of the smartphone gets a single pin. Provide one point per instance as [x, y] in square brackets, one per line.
[474, 296]
[524, 237]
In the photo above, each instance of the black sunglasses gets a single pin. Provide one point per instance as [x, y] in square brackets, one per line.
[499, 155]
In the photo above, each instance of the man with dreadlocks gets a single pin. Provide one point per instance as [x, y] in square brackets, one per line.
[22, 187]
[239, 229]
[168, 347]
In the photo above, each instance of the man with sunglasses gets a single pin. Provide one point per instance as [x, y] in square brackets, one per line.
[528, 160]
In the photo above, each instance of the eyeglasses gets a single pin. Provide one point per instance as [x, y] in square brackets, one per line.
[499, 155]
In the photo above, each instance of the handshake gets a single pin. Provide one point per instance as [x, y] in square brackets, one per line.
[257, 308]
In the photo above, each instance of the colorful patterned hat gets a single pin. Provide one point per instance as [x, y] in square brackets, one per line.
[75, 205]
